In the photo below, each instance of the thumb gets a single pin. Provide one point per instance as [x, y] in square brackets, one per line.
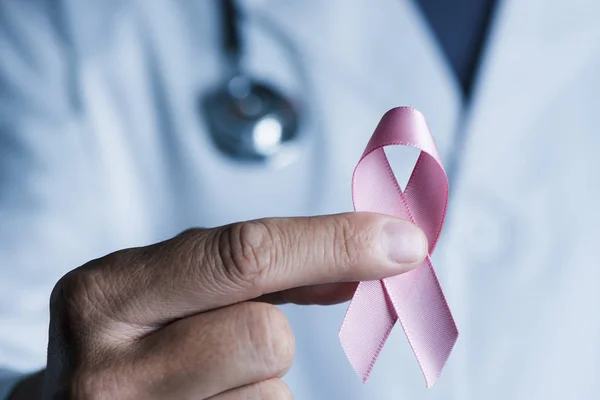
[276, 254]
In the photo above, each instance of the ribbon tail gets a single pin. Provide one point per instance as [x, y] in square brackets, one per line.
[416, 300]
[366, 326]
[425, 318]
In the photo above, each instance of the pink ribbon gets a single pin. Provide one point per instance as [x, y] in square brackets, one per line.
[414, 298]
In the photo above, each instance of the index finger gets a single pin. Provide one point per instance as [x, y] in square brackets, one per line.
[206, 269]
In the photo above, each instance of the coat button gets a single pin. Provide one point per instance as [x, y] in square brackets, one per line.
[484, 228]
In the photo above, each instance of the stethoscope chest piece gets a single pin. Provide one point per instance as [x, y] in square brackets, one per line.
[248, 120]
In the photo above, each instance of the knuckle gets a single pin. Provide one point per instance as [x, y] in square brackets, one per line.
[275, 389]
[245, 250]
[76, 297]
[347, 242]
[270, 333]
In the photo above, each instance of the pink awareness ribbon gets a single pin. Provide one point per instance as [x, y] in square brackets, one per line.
[414, 298]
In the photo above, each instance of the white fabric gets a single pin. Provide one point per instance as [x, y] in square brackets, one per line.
[102, 147]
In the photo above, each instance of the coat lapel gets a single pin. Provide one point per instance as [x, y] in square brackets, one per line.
[511, 205]
[535, 50]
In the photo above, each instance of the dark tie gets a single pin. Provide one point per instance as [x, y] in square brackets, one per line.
[461, 28]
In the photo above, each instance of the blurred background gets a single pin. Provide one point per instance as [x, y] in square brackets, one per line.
[124, 122]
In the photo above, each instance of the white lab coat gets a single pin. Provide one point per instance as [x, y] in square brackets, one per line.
[102, 147]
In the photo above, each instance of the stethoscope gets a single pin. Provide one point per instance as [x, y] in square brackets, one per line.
[247, 119]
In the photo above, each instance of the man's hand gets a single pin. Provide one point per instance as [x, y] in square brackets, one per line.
[189, 318]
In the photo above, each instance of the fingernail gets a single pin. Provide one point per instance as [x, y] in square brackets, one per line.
[404, 242]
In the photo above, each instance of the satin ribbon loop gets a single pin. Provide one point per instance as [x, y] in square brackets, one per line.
[415, 298]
